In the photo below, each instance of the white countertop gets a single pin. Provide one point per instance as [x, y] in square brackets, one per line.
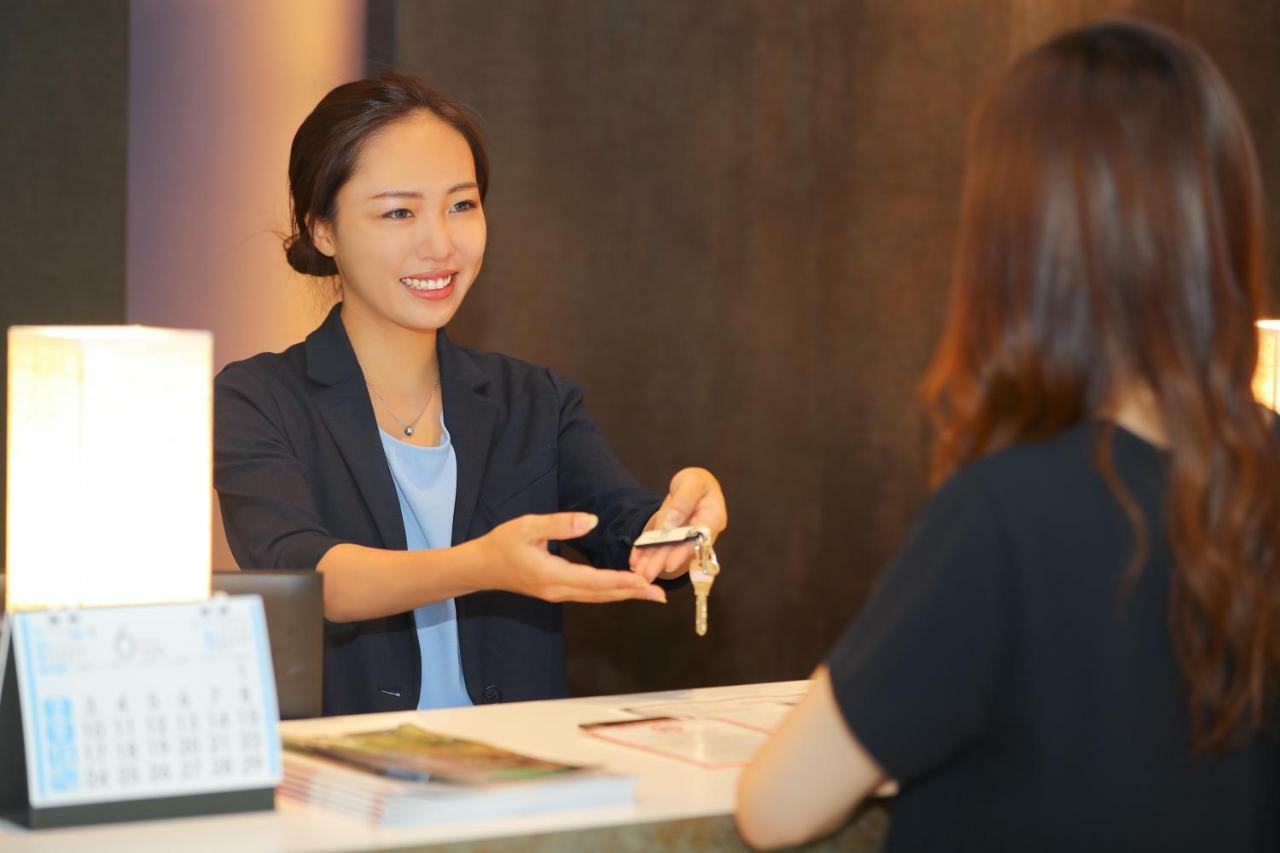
[666, 789]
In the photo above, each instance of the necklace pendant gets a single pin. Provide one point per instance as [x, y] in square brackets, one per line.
[408, 430]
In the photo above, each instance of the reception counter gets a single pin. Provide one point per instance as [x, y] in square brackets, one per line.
[678, 805]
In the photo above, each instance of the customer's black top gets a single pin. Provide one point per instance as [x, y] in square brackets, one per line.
[1023, 700]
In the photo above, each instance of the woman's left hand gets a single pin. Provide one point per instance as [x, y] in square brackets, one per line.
[694, 500]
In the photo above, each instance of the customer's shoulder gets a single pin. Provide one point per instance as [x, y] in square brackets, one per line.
[1029, 473]
[1027, 463]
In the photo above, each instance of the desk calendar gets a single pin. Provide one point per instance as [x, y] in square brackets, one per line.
[166, 704]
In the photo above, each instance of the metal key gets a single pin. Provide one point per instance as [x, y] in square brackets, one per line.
[703, 574]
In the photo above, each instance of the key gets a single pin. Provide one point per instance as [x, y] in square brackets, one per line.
[703, 574]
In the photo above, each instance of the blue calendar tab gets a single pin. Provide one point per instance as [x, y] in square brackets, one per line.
[124, 703]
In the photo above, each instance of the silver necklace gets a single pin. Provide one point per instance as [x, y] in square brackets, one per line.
[408, 427]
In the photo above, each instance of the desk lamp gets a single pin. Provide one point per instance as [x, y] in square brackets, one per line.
[1266, 380]
[126, 691]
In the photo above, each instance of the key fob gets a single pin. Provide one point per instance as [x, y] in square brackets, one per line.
[671, 536]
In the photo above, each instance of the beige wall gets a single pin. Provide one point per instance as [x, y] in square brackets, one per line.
[216, 90]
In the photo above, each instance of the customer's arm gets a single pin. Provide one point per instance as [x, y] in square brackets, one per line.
[914, 681]
[813, 745]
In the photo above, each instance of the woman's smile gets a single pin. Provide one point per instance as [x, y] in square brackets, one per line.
[437, 284]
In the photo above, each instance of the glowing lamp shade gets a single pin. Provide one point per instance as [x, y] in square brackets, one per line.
[1266, 379]
[109, 466]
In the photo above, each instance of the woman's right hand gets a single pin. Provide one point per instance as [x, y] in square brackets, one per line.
[515, 558]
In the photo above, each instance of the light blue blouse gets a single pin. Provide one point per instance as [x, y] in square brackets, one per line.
[426, 481]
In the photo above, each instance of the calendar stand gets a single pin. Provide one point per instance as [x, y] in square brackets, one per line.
[47, 741]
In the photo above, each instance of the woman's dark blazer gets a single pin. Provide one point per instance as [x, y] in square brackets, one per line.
[299, 468]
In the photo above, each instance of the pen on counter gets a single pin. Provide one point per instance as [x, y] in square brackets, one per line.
[605, 723]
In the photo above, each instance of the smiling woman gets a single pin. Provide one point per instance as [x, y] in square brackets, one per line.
[429, 483]
[407, 218]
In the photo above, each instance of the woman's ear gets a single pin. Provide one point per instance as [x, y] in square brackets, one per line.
[322, 236]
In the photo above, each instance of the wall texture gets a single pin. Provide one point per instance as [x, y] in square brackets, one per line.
[731, 221]
[64, 90]
[216, 92]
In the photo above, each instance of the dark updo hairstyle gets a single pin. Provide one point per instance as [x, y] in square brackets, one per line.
[328, 142]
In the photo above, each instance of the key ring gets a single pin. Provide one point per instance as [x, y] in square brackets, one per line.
[705, 555]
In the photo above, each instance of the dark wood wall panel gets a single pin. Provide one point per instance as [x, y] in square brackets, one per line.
[731, 221]
[64, 89]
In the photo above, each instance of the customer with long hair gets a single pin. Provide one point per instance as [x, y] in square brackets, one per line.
[1078, 646]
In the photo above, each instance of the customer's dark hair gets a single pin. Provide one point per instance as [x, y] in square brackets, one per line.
[327, 145]
[1112, 239]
